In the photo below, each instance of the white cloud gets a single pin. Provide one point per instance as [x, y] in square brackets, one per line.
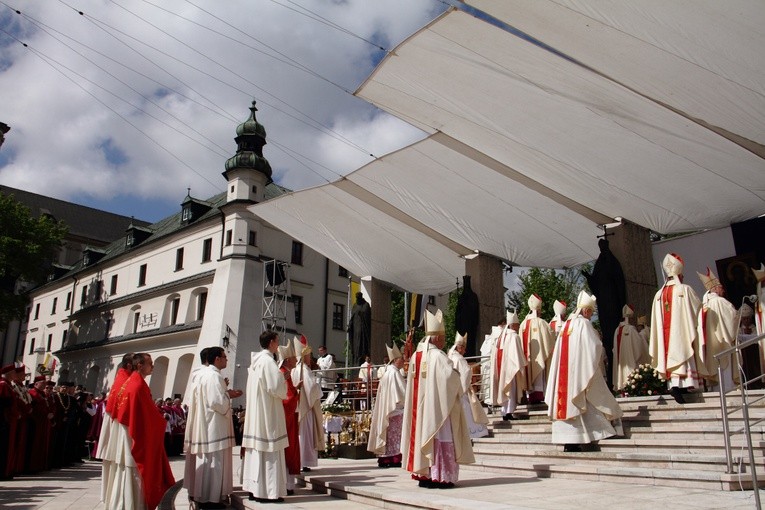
[60, 129]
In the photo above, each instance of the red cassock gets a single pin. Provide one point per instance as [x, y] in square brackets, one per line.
[135, 410]
[292, 452]
[17, 447]
[40, 432]
[11, 419]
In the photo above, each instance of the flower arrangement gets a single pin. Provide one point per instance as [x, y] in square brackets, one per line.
[644, 381]
[337, 408]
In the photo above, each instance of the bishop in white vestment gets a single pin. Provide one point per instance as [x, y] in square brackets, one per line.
[388, 412]
[310, 421]
[556, 323]
[674, 338]
[475, 416]
[538, 343]
[486, 351]
[434, 439]
[630, 350]
[717, 332]
[508, 363]
[578, 399]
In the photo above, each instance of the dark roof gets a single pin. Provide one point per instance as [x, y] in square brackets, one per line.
[82, 221]
[170, 225]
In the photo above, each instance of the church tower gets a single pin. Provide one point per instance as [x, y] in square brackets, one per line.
[233, 317]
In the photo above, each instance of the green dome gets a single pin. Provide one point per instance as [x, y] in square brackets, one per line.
[250, 139]
[251, 126]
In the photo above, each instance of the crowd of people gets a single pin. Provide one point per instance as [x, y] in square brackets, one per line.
[44, 425]
[424, 415]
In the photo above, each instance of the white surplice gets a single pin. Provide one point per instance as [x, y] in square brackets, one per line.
[209, 438]
[265, 430]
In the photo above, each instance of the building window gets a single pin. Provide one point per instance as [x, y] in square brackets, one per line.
[338, 317]
[254, 190]
[53, 308]
[50, 341]
[84, 297]
[201, 305]
[142, 275]
[252, 240]
[186, 213]
[99, 289]
[179, 259]
[63, 338]
[136, 320]
[32, 347]
[229, 234]
[297, 253]
[342, 272]
[298, 302]
[113, 286]
[129, 239]
[232, 188]
[37, 311]
[207, 250]
[68, 300]
[174, 306]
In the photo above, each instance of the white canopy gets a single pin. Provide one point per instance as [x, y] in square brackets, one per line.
[362, 234]
[576, 114]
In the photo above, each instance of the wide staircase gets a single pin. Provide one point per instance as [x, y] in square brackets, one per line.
[664, 443]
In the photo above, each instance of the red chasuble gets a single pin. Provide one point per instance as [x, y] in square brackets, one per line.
[119, 380]
[135, 410]
[292, 452]
[415, 407]
[562, 395]
[666, 310]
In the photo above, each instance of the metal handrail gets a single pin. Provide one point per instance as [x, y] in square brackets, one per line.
[745, 404]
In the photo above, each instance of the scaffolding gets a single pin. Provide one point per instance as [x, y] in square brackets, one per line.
[276, 284]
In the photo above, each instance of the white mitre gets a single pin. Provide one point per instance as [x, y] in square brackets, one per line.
[672, 264]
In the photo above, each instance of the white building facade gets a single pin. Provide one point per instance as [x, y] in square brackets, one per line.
[192, 280]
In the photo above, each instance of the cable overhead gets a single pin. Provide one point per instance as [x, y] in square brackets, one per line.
[291, 153]
[295, 154]
[95, 23]
[321, 19]
[47, 61]
[318, 125]
[223, 151]
[284, 60]
[128, 41]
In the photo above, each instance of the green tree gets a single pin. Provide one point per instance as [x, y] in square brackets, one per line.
[27, 247]
[548, 284]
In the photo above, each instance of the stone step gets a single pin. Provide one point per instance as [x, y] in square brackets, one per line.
[634, 444]
[635, 475]
[690, 427]
[653, 414]
[645, 459]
